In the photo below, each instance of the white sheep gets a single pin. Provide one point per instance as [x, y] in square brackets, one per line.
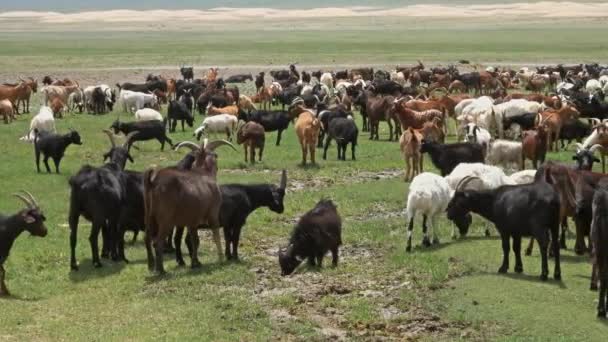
[217, 124]
[148, 114]
[429, 195]
[44, 121]
[505, 153]
[133, 100]
[523, 177]
[327, 79]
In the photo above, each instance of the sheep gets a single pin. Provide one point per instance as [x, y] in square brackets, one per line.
[534, 146]
[30, 219]
[53, 146]
[429, 195]
[344, 131]
[217, 124]
[516, 210]
[599, 242]
[505, 152]
[307, 129]
[7, 111]
[44, 121]
[522, 177]
[251, 136]
[446, 157]
[148, 114]
[183, 198]
[144, 130]
[178, 110]
[317, 231]
[133, 101]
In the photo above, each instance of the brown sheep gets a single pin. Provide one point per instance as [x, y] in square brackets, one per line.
[307, 128]
[251, 136]
[410, 142]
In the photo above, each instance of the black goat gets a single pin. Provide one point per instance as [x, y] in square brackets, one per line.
[325, 116]
[98, 99]
[585, 157]
[516, 211]
[317, 231]
[386, 87]
[30, 219]
[526, 121]
[144, 130]
[446, 157]
[574, 130]
[259, 81]
[287, 96]
[186, 99]
[53, 146]
[98, 194]
[187, 73]
[239, 78]
[344, 131]
[599, 242]
[178, 110]
[216, 100]
[238, 202]
[271, 121]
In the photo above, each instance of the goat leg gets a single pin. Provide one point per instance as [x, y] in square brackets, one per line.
[218, 244]
[3, 289]
[530, 247]
[177, 241]
[505, 253]
[334, 256]
[408, 248]
[426, 242]
[46, 164]
[519, 267]
[93, 237]
[192, 239]
[159, 249]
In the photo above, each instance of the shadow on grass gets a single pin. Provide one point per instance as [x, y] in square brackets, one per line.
[87, 272]
[441, 245]
[309, 166]
[181, 272]
[18, 298]
[534, 278]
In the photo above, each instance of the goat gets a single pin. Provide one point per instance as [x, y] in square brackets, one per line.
[30, 219]
[599, 241]
[251, 136]
[242, 78]
[307, 128]
[57, 107]
[218, 124]
[183, 198]
[416, 119]
[380, 109]
[554, 120]
[7, 111]
[98, 194]
[344, 131]
[410, 142]
[505, 153]
[14, 93]
[76, 100]
[516, 211]
[44, 121]
[232, 110]
[133, 101]
[187, 73]
[476, 134]
[429, 195]
[146, 130]
[271, 121]
[585, 157]
[53, 146]
[534, 146]
[446, 157]
[148, 114]
[317, 231]
[574, 130]
[178, 110]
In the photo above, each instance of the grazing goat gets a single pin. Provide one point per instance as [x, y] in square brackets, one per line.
[446, 157]
[145, 130]
[178, 110]
[344, 131]
[183, 198]
[218, 124]
[30, 219]
[307, 128]
[98, 194]
[53, 146]
[599, 241]
[251, 136]
[516, 211]
[317, 231]
[429, 195]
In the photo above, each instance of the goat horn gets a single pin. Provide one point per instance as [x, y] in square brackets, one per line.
[28, 201]
[111, 136]
[463, 182]
[604, 121]
[189, 144]
[283, 184]
[594, 120]
[595, 148]
[579, 146]
[128, 137]
[34, 201]
[211, 146]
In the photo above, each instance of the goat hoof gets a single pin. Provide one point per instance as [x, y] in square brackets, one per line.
[519, 269]
[426, 242]
[74, 267]
[435, 241]
[543, 277]
[557, 276]
[97, 264]
[487, 233]
[181, 263]
[593, 287]
[528, 252]
[408, 249]
[196, 265]
[503, 269]
[601, 314]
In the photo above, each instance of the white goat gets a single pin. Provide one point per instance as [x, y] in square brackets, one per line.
[133, 101]
[217, 124]
[523, 177]
[398, 77]
[327, 79]
[476, 134]
[604, 83]
[148, 114]
[507, 110]
[505, 153]
[44, 121]
[593, 86]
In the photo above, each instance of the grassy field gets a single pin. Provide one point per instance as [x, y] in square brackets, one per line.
[447, 292]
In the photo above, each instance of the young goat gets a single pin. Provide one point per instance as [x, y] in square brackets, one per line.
[410, 142]
[317, 231]
[30, 219]
[53, 146]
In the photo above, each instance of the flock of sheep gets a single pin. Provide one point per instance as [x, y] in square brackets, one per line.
[501, 117]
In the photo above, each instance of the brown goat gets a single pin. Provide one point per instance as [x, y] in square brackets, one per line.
[549, 101]
[57, 107]
[183, 198]
[380, 109]
[410, 142]
[415, 119]
[534, 146]
[251, 136]
[171, 88]
[554, 120]
[232, 110]
[6, 110]
[307, 128]
[14, 93]
[433, 131]
[457, 87]
[24, 97]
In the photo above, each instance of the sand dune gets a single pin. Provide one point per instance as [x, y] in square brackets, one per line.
[547, 9]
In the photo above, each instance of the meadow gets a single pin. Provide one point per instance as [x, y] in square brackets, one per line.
[447, 292]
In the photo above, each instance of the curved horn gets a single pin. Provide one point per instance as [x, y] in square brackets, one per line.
[189, 144]
[463, 182]
[111, 136]
[594, 121]
[579, 146]
[34, 202]
[128, 138]
[595, 148]
[283, 184]
[25, 200]
[211, 146]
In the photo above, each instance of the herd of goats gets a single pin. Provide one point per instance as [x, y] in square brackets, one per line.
[502, 118]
